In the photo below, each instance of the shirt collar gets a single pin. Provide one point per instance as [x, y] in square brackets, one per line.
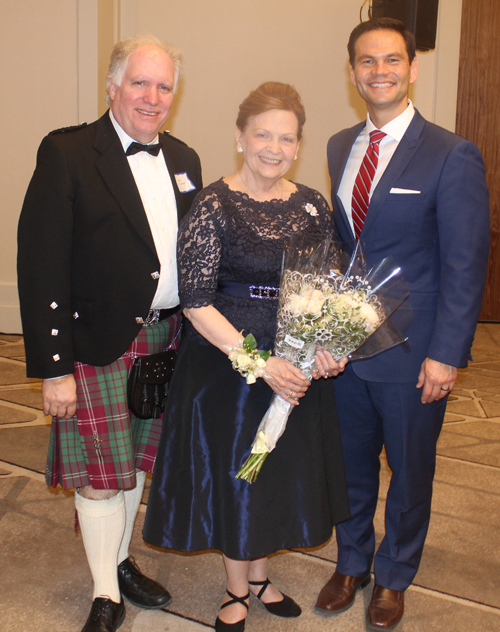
[125, 139]
[396, 128]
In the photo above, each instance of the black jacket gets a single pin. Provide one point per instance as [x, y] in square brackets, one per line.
[87, 259]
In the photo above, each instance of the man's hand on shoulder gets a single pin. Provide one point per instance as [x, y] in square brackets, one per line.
[59, 396]
[437, 380]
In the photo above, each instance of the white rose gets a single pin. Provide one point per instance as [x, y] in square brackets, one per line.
[346, 300]
[314, 306]
[296, 304]
[251, 378]
[260, 362]
[243, 361]
[367, 312]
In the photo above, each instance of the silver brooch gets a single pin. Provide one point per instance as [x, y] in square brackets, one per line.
[311, 209]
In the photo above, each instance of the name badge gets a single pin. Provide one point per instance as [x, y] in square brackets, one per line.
[294, 342]
[184, 183]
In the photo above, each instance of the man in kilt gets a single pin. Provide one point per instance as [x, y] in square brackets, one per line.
[98, 288]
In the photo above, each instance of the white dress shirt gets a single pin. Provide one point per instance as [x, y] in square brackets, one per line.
[157, 194]
[394, 130]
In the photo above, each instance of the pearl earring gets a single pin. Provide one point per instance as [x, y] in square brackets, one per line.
[239, 149]
[295, 157]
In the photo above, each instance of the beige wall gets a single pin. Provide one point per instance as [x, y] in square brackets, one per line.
[57, 50]
[231, 47]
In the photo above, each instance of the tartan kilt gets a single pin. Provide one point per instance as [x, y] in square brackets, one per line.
[104, 443]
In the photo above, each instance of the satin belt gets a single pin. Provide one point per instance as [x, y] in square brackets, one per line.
[243, 290]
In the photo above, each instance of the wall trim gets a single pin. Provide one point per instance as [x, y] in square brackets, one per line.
[87, 61]
[10, 315]
[128, 19]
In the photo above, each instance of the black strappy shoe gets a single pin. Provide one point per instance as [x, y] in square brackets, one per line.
[239, 626]
[284, 608]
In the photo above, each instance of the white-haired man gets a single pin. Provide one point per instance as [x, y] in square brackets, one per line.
[98, 287]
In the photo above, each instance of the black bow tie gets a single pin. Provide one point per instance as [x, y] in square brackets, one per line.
[135, 148]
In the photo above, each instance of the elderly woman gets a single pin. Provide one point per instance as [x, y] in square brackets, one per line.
[232, 239]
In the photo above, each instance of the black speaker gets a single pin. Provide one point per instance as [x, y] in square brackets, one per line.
[420, 17]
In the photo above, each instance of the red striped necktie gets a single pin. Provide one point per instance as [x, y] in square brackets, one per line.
[363, 183]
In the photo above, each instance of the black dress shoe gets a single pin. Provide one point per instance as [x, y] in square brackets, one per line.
[139, 589]
[284, 608]
[238, 626]
[105, 616]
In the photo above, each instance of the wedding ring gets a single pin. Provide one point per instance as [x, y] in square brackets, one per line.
[446, 390]
[290, 394]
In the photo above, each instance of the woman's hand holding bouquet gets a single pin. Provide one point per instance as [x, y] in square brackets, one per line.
[321, 312]
[286, 380]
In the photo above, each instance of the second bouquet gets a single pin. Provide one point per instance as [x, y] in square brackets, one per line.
[328, 300]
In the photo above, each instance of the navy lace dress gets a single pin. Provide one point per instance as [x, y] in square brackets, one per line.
[212, 415]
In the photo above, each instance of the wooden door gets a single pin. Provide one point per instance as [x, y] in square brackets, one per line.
[478, 118]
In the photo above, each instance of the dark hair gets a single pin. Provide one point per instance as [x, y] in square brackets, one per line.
[272, 95]
[381, 24]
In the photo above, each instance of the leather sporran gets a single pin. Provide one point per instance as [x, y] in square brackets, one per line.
[148, 382]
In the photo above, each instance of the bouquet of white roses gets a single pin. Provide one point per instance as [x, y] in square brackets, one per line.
[325, 304]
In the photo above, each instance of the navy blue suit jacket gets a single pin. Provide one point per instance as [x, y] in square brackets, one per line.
[439, 236]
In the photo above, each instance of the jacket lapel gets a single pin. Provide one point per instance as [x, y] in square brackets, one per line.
[115, 171]
[173, 168]
[405, 151]
[337, 166]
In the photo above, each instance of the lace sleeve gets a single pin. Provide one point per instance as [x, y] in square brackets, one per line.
[199, 251]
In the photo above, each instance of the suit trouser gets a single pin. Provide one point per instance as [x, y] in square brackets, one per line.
[373, 415]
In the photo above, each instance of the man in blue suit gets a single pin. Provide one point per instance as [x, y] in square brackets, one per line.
[427, 207]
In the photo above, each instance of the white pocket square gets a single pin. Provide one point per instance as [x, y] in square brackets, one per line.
[396, 190]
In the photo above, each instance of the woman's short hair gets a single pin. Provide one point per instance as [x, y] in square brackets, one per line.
[123, 50]
[381, 24]
[272, 95]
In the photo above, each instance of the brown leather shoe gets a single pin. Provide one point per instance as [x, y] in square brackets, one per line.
[386, 608]
[338, 593]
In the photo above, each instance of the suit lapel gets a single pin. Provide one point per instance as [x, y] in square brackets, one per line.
[405, 151]
[115, 171]
[337, 164]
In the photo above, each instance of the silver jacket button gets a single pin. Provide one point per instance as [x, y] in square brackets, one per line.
[56, 357]
[54, 305]
[139, 320]
[54, 332]
[155, 275]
